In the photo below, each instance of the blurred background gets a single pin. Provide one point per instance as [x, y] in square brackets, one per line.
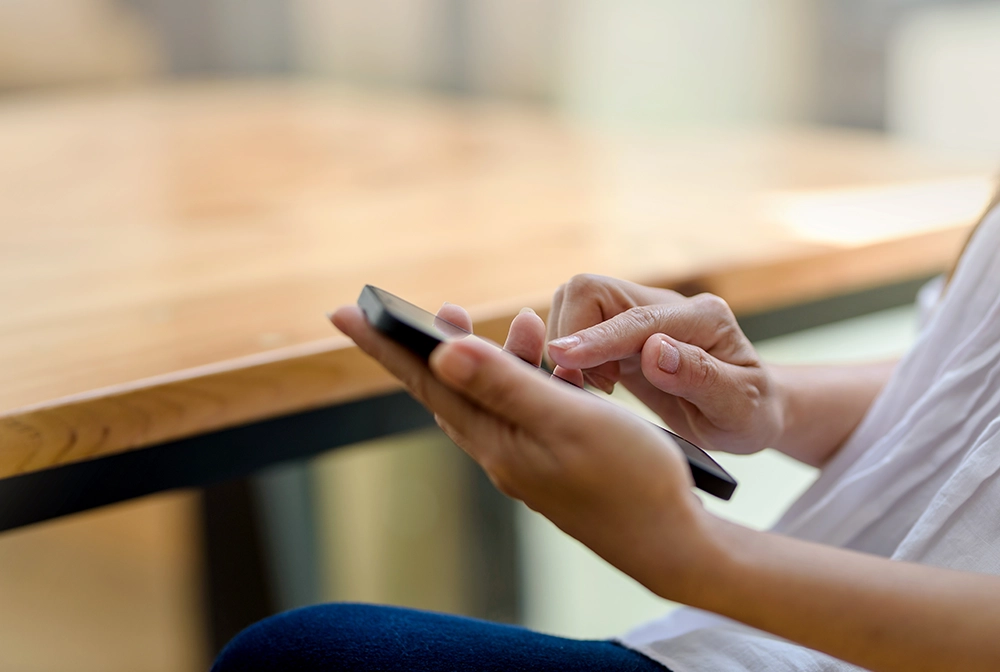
[408, 521]
[912, 66]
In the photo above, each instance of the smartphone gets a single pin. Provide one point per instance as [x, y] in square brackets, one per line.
[420, 332]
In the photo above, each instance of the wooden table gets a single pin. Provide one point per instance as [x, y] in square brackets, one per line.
[167, 256]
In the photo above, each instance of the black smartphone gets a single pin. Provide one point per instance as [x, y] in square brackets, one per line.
[420, 332]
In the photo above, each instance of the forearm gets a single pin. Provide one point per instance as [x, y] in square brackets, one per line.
[823, 405]
[874, 612]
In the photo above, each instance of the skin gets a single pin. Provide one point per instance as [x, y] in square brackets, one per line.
[715, 391]
[623, 488]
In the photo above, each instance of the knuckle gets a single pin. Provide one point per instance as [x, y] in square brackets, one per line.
[704, 370]
[722, 321]
[727, 336]
[643, 318]
[585, 284]
[713, 304]
[753, 395]
[583, 281]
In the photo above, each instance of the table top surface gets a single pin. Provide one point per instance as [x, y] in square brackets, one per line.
[167, 255]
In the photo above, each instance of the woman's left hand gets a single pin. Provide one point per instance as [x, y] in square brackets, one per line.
[604, 476]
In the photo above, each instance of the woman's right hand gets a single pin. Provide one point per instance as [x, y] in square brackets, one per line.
[685, 358]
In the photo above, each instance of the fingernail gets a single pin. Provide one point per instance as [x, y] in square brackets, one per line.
[565, 343]
[526, 309]
[455, 364]
[670, 357]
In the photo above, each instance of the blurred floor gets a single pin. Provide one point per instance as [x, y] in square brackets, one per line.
[392, 527]
[413, 521]
[115, 590]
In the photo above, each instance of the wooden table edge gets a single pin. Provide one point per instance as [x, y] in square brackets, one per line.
[333, 371]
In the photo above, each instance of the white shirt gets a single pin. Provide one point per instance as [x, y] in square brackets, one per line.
[918, 480]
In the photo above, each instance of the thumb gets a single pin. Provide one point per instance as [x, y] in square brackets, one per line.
[720, 390]
[507, 387]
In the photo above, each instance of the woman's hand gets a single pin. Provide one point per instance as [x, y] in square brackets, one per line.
[621, 487]
[606, 477]
[685, 358]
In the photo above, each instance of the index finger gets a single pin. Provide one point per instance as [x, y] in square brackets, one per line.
[624, 335]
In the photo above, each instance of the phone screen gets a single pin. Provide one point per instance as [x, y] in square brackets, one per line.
[418, 318]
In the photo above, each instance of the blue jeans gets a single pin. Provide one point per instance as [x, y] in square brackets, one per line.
[356, 637]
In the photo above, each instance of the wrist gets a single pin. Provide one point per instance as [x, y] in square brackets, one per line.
[696, 576]
[786, 412]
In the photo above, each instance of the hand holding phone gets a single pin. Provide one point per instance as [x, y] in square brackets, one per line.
[601, 475]
[420, 332]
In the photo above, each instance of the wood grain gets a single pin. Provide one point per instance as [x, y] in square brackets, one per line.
[167, 255]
